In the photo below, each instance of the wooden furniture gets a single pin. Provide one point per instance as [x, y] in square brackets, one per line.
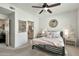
[30, 30]
[71, 40]
[39, 35]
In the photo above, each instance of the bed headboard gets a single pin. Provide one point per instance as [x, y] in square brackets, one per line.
[62, 35]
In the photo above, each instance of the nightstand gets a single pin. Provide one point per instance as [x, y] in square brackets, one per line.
[70, 38]
[38, 36]
[71, 41]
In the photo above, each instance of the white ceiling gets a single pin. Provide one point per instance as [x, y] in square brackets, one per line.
[4, 11]
[64, 7]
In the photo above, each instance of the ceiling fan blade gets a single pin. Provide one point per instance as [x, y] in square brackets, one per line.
[53, 5]
[40, 11]
[49, 11]
[37, 7]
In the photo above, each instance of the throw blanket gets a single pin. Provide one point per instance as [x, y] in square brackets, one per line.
[58, 42]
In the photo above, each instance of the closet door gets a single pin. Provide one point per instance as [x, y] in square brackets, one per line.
[7, 32]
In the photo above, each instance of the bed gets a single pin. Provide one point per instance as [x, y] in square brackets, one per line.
[53, 42]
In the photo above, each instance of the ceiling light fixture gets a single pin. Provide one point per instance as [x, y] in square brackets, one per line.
[45, 8]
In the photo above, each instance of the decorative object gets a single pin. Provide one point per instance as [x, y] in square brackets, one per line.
[66, 33]
[53, 23]
[43, 33]
[22, 26]
[30, 29]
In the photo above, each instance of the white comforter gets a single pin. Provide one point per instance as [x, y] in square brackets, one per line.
[58, 42]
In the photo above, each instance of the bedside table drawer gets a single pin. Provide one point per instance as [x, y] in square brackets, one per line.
[39, 36]
[69, 42]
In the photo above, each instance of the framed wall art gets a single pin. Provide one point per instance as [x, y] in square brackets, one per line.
[22, 26]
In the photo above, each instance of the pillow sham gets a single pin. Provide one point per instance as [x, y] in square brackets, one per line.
[53, 34]
[49, 35]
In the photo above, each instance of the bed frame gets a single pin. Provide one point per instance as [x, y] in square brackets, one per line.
[58, 51]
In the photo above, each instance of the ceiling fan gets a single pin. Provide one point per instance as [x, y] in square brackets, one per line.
[46, 7]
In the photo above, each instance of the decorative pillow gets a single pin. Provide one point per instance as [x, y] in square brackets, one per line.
[55, 34]
[49, 35]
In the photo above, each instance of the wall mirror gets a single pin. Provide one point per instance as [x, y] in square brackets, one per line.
[22, 26]
[53, 23]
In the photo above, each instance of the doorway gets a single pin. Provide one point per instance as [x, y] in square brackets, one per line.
[4, 31]
[30, 30]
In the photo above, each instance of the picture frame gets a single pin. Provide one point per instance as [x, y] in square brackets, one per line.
[22, 26]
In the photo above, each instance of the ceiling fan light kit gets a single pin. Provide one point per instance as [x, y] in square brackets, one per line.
[46, 7]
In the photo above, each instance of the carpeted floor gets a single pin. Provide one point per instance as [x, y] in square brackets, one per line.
[26, 50]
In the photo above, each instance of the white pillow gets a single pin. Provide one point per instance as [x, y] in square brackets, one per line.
[49, 35]
[56, 34]
[53, 34]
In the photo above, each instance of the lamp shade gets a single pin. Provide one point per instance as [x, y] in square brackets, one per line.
[66, 32]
